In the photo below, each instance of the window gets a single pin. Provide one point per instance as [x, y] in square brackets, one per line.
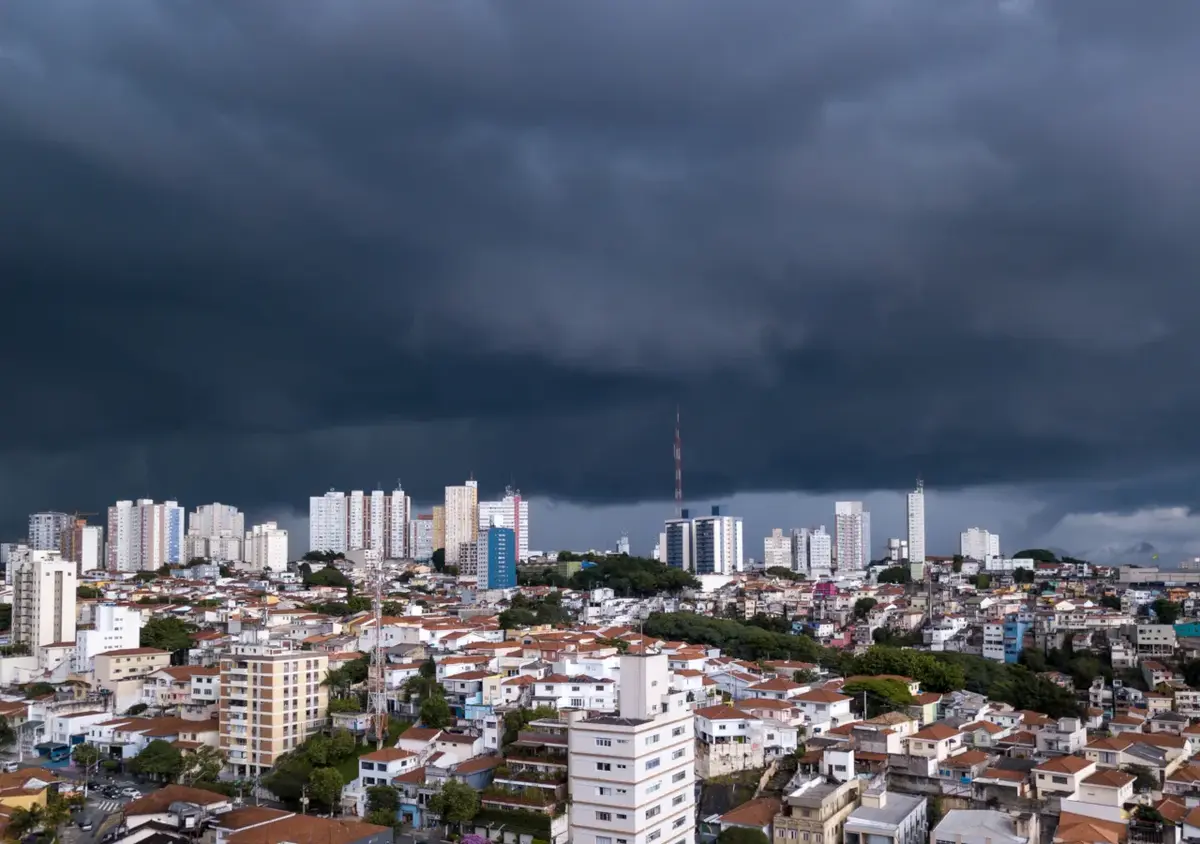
[651, 764]
[604, 816]
[621, 816]
[603, 742]
[677, 799]
[604, 766]
[652, 739]
[678, 731]
[678, 776]
[603, 839]
[654, 836]
[679, 821]
[678, 754]
[1060, 780]
[654, 786]
[603, 790]
[599, 688]
[653, 811]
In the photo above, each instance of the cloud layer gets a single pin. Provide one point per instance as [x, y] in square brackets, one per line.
[252, 251]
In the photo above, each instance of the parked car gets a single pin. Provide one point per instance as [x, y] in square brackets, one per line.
[131, 793]
[85, 826]
[10, 767]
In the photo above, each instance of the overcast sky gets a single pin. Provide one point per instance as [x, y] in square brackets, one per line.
[251, 251]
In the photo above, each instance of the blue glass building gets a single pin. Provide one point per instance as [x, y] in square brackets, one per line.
[501, 566]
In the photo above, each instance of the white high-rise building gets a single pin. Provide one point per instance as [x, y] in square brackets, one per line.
[43, 610]
[216, 520]
[511, 512]
[623, 545]
[327, 522]
[266, 547]
[114, 628]
[717, 544]
[462, 523]
[853, 535]
[978, 544]
[356, 521]
[675, 546]
[46, 529]
[777, 550]
[820, 554]
[420, 537]
[632, 774]
[91, 547]
[916, 524]
[399, 507]
[144, 536]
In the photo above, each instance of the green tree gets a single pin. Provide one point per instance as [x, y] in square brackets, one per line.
[289, 776]
[1041, 555]
[1023, 576]
[863, 606]
[204, 764]
[328, 576]
[956, 564]
[1145, 779]
[159, 759]
[455, 803]
[38, 690]
[325, 786]
[435, 712]
[383, 804]
[1166, 612]
[980, 581]
[342, 744]
[5, 616]
[86, 755]
[895, 574]
[785, 573]
[438, 560]
[1111, 602]
[86, 593]
[166, 633]
[882, 695]
[742, 835]
[24, 821]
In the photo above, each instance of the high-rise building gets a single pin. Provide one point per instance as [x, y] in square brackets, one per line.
[676, 547]
[717, 544]
[853, 535]
[462, 522]
[144, 536]
[43, 611]
[916, 524]
[439, 527]
[513, 513]
[978, 544]
[327, 522]
[777, 550]
[271, 700]
[216, 520]
[45, 530]
[8, 554]
[420, 537]
[497, 557]
[820, 554]
[623, 545]
[114, 628]
[266, 547]
[399, 510]
[83, 544]
[632, 774]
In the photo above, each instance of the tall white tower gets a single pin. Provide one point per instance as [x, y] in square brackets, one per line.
[916, 523]
[852, 525]
[43, 610]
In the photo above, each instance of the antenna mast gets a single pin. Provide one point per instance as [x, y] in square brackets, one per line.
[678, 468]
[376, 680]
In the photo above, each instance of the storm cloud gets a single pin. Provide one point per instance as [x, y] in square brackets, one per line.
[250, 251]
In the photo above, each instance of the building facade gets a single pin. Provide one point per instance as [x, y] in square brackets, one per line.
[632, 775]
[266, 547]
[420, 538]
[43, 611]
[777, 550]
[114, 628]
[852, 525]
[461, 522]
[497, 558]
[511, 512]
[916, 525]
[144, 536]
[978, 544]
[46, 529]
[271, 700]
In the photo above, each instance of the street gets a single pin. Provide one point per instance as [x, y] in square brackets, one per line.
[100, 811]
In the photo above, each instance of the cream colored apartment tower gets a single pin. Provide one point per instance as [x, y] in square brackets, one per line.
[462, 522]
[271, 701]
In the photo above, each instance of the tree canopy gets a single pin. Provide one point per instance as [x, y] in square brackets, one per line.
[1042, 555]
[166, 633]
[633, 577]
[785, 573]
[742, 835]
[895, 574]
[327, 576]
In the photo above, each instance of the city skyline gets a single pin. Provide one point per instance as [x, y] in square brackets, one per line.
[924, 228]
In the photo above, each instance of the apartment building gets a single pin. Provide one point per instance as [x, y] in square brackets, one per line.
[266, 547]
[632, 774]
[510, 512]
[816, 811]
[461, 523]
[43, 610]
[144, 536]
[45, 530]
[271, 700]
[114, 628]
[887, 817]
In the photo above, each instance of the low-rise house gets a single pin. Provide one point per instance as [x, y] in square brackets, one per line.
[823, 710]
[887, 817]
[1061, 776]
[816, 810]
[1066, 735]
[728, 740]
[757, 814]
[986, 826]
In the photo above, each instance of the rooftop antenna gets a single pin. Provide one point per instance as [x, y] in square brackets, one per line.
[678, 468]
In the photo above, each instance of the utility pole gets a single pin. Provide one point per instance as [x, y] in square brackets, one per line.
[303, 799]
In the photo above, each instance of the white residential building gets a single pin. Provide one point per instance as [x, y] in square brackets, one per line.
[916, 524]
[510, 512]
[717, 544]
[420, 537]
[978, 544]
[43, 611]
[216, 520]
[852, 525]
[675, 545]
[144, 536]
[462, 523]
[91, 547]
[114, 628]
[777, 550]
[327, 522]
[46, 529]
[820, 554]
[266, 547]
[399, 509]
[632, 774]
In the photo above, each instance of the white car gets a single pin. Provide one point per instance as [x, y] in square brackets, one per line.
[131, 793]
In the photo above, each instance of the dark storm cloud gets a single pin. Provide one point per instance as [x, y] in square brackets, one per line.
[253, 250]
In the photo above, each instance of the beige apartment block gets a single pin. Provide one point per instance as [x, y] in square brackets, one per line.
[271, 700]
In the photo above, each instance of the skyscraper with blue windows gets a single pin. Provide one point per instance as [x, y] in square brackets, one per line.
[498, 558]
